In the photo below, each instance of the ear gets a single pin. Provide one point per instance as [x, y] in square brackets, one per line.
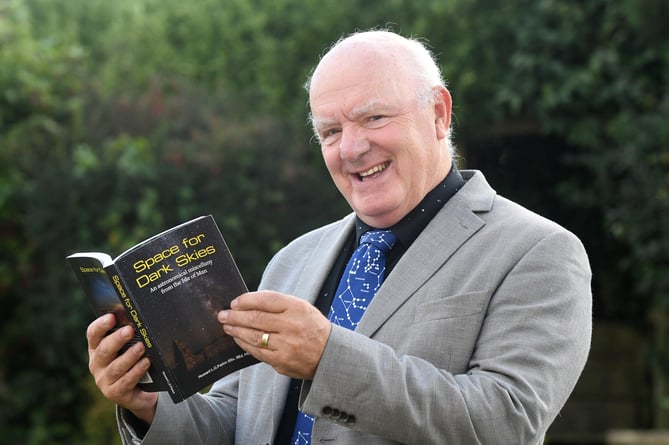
[442, 111]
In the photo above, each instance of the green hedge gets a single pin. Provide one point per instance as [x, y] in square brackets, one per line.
[119, 119]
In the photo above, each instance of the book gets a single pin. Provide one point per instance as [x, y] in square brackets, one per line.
[170, 288]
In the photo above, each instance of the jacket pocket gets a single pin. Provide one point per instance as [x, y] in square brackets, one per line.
[454, 306]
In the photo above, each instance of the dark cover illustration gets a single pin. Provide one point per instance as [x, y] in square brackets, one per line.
[170, 287]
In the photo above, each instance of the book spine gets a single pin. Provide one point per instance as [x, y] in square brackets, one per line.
[134, 313]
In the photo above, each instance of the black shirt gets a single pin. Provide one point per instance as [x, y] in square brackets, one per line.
[406, 231]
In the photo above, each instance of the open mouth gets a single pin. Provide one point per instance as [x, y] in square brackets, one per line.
[373, 172]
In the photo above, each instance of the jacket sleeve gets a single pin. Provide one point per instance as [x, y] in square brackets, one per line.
[200, 419]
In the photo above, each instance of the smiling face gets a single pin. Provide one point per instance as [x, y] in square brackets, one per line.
[383, 145]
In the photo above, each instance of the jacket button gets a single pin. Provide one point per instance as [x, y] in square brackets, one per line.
[326, 411]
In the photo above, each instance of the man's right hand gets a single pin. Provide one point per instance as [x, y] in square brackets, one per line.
[117, 375]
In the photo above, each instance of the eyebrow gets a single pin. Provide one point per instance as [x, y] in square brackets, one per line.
[366, 107]
[358, 111]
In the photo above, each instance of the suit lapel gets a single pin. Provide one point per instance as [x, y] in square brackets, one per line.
[455, 223]
[323, 257]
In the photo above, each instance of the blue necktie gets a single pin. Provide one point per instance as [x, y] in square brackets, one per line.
[362, 277]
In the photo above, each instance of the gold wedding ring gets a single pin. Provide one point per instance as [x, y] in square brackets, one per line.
[264, 340]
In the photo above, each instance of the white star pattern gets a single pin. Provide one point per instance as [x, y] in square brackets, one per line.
[361, 280]
[304, 438]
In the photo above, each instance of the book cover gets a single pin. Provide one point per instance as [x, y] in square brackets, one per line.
[89, 269]
[170, 287]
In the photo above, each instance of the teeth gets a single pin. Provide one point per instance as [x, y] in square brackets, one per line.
[373, 170]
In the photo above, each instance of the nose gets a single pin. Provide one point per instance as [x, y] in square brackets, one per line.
[353, 144]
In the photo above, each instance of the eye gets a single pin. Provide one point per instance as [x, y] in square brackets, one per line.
[376, 120]
[328, 134]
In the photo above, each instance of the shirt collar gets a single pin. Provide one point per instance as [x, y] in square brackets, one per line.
[409, 227]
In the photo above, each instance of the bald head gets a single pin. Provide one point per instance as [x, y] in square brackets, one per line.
[385, 57]
[386, 50]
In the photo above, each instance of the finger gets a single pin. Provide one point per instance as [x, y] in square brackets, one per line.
[285, 360]
[98, 329]
[120, 383]
[121, 364]
[108, 348]
[113, 342]
[252, 319]
[252, 343]
[117, 369]
[249, 337]
[266, 301]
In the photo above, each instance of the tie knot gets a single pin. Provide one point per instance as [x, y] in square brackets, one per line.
[382, 239]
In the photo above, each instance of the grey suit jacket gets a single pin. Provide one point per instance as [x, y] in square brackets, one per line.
[478, 335]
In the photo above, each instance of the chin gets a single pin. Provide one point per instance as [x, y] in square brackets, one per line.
[380, 220]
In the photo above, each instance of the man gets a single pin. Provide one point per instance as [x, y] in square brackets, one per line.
[477, 335]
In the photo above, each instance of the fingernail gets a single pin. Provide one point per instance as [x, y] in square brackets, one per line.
[128, 332]
[223, 316]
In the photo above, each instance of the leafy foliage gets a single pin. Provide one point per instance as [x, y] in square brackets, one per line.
[119, 119]
[596, 74]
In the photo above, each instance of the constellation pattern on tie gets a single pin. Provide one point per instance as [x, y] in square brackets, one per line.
[303, 437]
[361, 279]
